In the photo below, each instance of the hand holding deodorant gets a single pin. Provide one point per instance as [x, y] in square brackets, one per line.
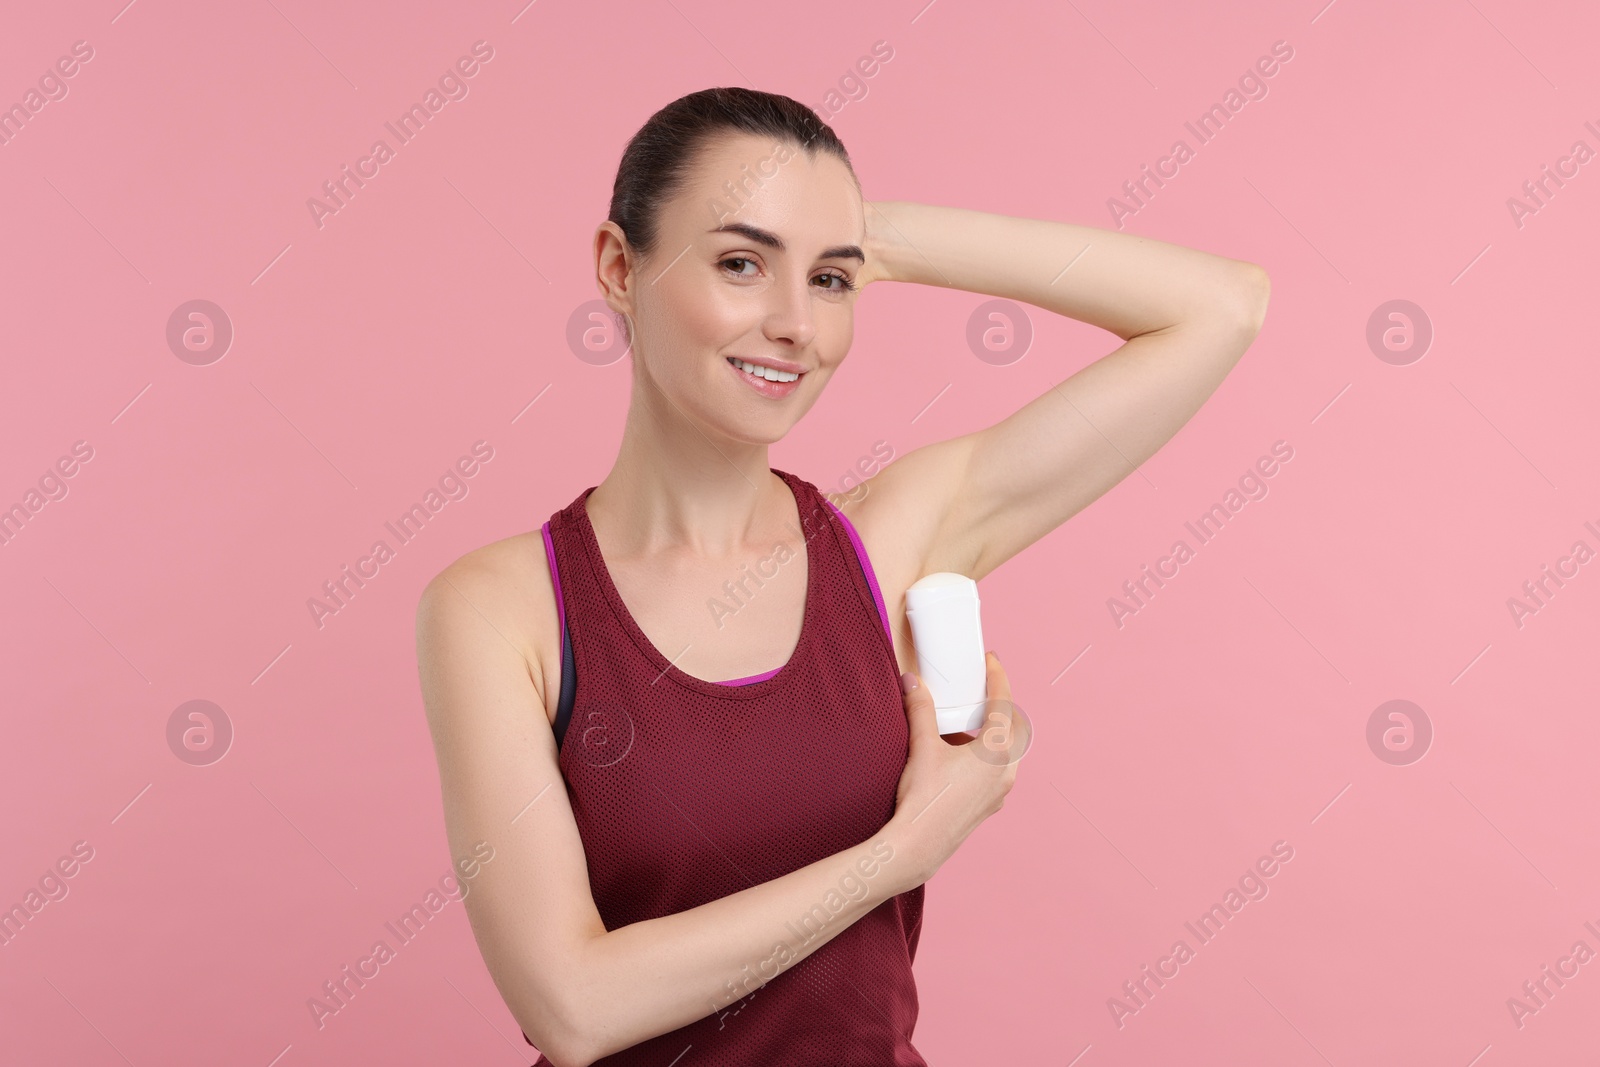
[943, 611]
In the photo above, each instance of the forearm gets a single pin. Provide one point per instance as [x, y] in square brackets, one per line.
[652, 977]
[1120, 282]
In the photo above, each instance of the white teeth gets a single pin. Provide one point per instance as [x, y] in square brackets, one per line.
[764, 372]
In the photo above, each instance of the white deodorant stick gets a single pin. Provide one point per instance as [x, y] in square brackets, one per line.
[943, 611]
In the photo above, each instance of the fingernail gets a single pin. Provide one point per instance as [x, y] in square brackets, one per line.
[908, 682]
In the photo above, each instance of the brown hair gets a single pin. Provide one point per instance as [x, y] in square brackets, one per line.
[658, 158]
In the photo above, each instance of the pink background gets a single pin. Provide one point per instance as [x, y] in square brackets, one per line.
[369, 354]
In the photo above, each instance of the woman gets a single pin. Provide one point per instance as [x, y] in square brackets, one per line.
[695, 871]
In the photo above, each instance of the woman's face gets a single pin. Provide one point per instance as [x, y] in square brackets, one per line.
[755, 257]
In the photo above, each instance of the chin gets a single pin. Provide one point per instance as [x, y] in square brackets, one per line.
[769, 432]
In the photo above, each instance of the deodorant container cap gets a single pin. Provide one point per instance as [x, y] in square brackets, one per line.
[944, 585]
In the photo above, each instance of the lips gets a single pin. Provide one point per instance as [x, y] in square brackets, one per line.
[771, 389]
[757, 366]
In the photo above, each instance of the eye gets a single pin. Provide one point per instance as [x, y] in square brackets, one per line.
[845, 284]
[737, 259]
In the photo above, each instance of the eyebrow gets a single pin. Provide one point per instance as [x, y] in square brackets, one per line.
[772, 240]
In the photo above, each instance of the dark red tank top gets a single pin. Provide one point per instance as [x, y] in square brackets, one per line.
[687, 790]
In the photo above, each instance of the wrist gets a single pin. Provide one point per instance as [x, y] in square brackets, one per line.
[911, 864]
[886, 246]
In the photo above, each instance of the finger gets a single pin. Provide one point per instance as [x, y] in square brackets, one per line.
[921, 717]
[999, 686]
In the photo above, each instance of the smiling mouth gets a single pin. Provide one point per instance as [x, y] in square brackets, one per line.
[767, 373]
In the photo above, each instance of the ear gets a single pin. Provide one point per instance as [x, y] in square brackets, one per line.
[614, 268]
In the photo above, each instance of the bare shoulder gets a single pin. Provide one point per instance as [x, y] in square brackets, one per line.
[507, 585]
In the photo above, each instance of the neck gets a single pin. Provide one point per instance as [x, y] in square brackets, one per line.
[680, 485]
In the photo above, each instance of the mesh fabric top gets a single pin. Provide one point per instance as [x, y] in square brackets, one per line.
[687, 790]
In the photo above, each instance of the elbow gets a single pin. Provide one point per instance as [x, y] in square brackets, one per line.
[563, 1036]
[566, 1010]
[567, 1047]
[564, 1058]
[1254, 294]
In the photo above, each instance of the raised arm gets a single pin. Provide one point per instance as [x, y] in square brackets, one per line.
[578, 991]
[1186, 317]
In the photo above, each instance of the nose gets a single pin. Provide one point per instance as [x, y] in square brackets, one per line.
[789, 314]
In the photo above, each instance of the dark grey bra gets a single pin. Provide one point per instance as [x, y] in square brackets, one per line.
[569, 687]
